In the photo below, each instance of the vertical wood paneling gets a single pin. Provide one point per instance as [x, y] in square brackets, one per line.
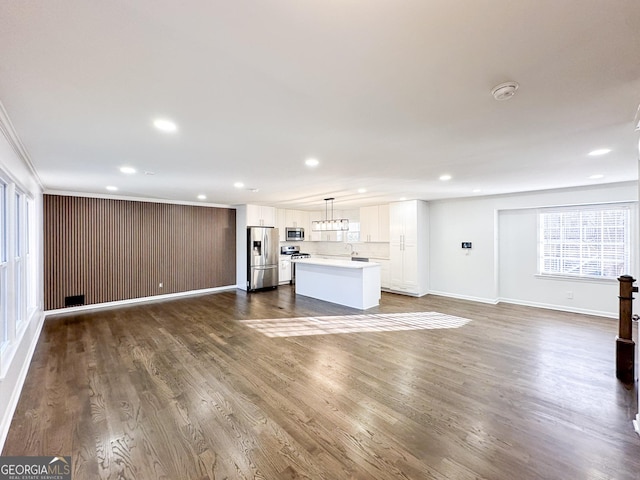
[113, 250]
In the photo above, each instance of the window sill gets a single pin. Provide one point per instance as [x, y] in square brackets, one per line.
[575, 278]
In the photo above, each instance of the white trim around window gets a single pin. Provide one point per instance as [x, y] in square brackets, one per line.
[18, 277]
[585, 242]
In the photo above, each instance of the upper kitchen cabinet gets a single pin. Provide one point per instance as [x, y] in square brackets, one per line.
[281, 216]
[261, 216]
[374, 223]
[293, 219]
[298, 219]
[409, 247]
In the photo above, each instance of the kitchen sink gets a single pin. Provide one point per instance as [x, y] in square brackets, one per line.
[359, 259]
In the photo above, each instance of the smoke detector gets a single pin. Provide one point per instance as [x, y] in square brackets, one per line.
[504, 91]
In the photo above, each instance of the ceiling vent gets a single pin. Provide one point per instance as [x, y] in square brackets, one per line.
[504, 91]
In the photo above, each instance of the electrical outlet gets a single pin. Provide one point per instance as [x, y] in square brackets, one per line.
[570, 295]
[160, 285]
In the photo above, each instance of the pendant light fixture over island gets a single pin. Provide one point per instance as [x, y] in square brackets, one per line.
[330, 224]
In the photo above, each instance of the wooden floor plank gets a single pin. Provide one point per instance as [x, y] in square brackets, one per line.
[183, 389]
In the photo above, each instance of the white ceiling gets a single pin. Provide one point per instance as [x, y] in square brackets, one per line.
[387, 94]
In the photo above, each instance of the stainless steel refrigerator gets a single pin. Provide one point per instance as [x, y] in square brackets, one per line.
[263, 250]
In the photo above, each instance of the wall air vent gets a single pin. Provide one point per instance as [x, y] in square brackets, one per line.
[74, 300]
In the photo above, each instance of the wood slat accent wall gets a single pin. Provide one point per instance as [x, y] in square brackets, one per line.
[111, 250]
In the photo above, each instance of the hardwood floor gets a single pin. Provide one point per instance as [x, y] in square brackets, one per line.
[182, 390]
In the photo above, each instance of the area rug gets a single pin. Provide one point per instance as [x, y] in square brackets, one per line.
[375, 322]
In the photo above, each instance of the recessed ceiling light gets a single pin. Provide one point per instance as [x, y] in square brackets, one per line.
[165, 125]
[362, 190]
[311, 162]
[128, 170]
[599, 151]
[238, 185]
[111, 188]
[445, 177]
[596, 176]
[402, 199]
[202, 197]
[476, 190]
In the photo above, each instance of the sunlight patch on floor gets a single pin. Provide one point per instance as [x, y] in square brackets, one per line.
[376, 322]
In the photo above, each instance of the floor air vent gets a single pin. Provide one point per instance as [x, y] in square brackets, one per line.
[74, 300]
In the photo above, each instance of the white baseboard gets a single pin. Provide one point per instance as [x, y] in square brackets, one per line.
[560, 308]
[636, 424]
[399, 292]
[491, 301]
[132, 301]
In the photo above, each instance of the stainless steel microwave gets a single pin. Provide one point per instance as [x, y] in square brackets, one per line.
[294, 234]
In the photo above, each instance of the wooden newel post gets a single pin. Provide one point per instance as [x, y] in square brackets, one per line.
[625, 346]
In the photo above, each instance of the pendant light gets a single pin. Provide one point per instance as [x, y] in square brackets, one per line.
[330, 224]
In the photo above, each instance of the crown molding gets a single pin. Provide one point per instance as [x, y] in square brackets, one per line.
[128, 198]
[9, 132]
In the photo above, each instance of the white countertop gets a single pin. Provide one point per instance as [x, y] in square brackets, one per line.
[345, 282]
[336, 263]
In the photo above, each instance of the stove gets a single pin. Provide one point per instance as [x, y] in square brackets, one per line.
[294, 253]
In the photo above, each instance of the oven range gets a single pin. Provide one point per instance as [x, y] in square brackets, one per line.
[293, 252]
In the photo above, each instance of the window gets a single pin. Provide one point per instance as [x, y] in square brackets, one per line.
[20, 262]
[353, 235]
[32, 267]
[4, 322]
[3, 222]
[589, 242]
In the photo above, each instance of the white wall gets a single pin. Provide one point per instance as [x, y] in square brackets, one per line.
[241, 247]
[456, 272]
[15, 359]
[502, 264]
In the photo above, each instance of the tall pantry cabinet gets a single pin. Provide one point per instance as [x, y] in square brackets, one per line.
[409, 247]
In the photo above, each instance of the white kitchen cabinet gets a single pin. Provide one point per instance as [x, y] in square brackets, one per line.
[281, 223]
[369, 224]
[374, 223]
[383, 223]
[385, 276]
[261, 216]
[284, 270]
[299, 219]
[409, 247]
[292, 218]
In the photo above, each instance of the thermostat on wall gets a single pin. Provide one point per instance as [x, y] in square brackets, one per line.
[466, 244]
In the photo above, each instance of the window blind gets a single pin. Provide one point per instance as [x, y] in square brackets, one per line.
[588, 242]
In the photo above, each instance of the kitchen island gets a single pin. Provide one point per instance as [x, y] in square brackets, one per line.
[345, 282]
